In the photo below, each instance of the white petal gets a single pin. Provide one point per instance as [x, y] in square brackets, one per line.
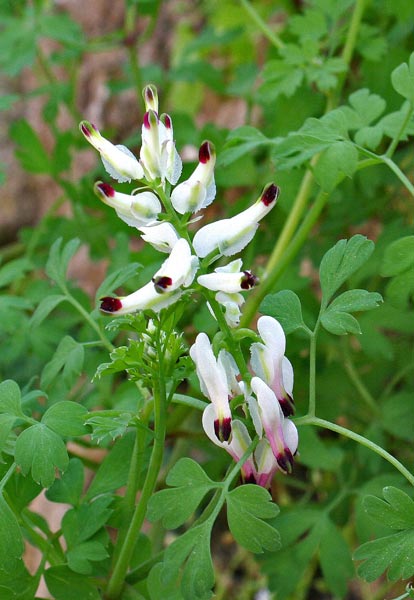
[290, 434]
[287, 375]
[223, 282]
[161, 235]
[121, 164]
[272, 334]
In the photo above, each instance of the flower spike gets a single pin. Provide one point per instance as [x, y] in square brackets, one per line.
[230, 236]
[119, 162]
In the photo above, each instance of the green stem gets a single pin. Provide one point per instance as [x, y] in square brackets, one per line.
[395, 141]
[356, 380]
[312, 420]
[189, 401]
[264, 28]
[312, 374]
[7, 476]
[401, 176]
[129, 29]
[89, 320]
[117, 579]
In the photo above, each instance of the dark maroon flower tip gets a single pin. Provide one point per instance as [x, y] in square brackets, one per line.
[285, 461]
[204, 154]
[248, 280]
[250, 479]
[110, 305]
[222, 429]
[85, 130]
[146, 121]
[161, 284]
[167, 121]
[150, 119]
[270, 194]
[149, 93]
[287, 404]
[106, 189]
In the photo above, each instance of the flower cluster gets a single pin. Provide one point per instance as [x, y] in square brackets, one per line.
[159, 165]
[268, 397]
[161, 218]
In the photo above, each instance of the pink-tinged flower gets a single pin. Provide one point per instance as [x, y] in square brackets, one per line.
[136, 210]
[164, 289]
[266, 464]
[199, 190]
[214, 385]
[280, 432]
[119, 162]
[229, 279]
[161, 235]
[177, 270]
[269, 362]
[230, 236]
[236, 446]
[158, 155]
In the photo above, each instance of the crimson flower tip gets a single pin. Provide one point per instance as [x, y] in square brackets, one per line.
[110, 304]
[270, 194]
[222, 429]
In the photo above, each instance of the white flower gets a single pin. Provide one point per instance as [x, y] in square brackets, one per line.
[164, 289]
[280, 432]
[136, 210]
[270, 364]
[177, 270]
[161, 235]
[158, 155]
[228, 279]
[214, 384]
[199, 190]
[230, 236]
[119, 162]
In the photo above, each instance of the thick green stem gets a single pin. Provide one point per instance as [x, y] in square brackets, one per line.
[312, 420]
[117, 579]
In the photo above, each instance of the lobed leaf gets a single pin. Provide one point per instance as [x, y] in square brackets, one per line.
[68, 488]
[341, 261]
[336, 318]
[247, 506]
[67, 361]
[58, 261]
[64, 584]
[66, 418]
[10, 398]
[402, 79]
[11, 539]
[284, 306]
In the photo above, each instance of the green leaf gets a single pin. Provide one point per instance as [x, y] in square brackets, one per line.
[40, 450]
[286, 308]
[64, 584]
[67, 361]
[397, 511]
[241, 141]
[58, 261]
[68, 489]
[402, 79]
[10, 398]
[337, 320]
[193, 549]
[80, 557]
[158, 589]
[66, 418]
[14, 270]
[31, 152]
[175, 506]
[335, 559]
[341, 261]
[394, 553]
[45, 307]
[340, 158]
[18, 584]
[113, 471]
[11, 539]
[108, 424]
[247, 506]
[82, 522]
[398, 257]
[316, 453]
[398, 415]
[116, 279]
[367, 106]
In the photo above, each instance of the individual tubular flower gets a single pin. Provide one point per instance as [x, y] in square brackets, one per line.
[136, 210]
[177, 270]
[214, 385]
[229, 279]
[230, 236]
[163, 290]
[119, 162]
[199, 190]
[280, 432]
[161, 235]
[158, 155]
[266, 464]
[236, 447]
[269, 362]
[231, 304]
